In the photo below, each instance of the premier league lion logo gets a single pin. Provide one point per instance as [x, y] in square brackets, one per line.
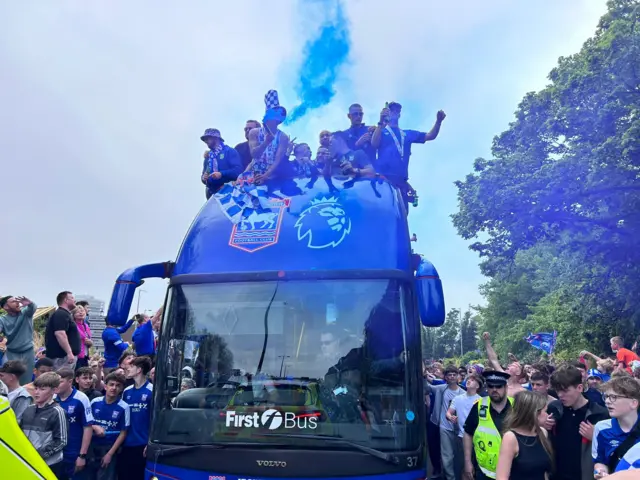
[323, 224]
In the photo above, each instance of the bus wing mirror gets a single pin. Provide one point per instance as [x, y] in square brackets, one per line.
[125, 289]
[430, 294]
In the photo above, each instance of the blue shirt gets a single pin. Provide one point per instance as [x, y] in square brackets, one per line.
[390, 163]
[113, 417]
[113, 344]
[139, 401]
[607, 436]
[78, 410]
[143, 339]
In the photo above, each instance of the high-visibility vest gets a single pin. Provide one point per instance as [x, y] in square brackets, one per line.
[487, 439]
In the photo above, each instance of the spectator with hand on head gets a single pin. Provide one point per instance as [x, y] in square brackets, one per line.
[17, 326]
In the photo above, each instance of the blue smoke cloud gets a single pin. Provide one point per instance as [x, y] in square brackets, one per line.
[323, 57]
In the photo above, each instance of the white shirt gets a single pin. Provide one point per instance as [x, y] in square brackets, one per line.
[463, 405]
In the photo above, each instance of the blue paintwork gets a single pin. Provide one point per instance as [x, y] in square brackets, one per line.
[125, 289]
[378, 238]
[165, 472]
[430, 294]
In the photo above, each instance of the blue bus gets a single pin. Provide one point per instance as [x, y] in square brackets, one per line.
[290, 340]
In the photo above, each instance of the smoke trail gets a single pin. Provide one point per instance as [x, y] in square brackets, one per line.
[323, 57]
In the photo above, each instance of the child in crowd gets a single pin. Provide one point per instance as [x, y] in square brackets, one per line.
[111, 421]
[19, 398]
[616, 442]
[85, 382]
[78, 409]
[138, 396]
[45, 423]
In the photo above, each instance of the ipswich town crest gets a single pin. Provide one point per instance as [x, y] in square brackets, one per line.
[259, 229]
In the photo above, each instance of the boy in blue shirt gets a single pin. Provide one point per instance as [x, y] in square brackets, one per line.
[78, 409]
[111, 422]
[611, 450]
[139, 397]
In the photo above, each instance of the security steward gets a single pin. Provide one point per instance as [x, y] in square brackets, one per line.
[482, 430]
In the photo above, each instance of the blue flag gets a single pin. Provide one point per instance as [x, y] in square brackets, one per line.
[543, 341]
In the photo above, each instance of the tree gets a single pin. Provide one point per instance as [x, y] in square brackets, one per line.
[556, 211]
[469, 332]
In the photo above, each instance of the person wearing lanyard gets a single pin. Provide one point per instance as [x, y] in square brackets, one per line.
[221, 162]
[394, 146]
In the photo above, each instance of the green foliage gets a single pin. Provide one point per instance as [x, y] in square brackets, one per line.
[444, 341]
[556, 212]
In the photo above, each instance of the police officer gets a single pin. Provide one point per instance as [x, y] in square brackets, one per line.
[482, 430]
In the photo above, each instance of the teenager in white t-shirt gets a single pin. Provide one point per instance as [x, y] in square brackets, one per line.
[461, 406]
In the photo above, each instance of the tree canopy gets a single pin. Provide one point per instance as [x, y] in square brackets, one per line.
[555, 213]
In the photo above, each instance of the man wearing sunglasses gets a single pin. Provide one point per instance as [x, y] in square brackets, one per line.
[482, 430]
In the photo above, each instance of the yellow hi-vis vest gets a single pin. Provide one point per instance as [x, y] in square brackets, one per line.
[487, 439]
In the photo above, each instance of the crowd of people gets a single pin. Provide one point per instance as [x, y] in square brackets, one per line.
[360, 151]
[87, 415]
[566, 421]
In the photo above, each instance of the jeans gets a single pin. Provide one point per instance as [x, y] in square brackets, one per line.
[131, 463]
[58, 363]
[28, 358]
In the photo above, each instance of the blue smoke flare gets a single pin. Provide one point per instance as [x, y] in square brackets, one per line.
[323, 57]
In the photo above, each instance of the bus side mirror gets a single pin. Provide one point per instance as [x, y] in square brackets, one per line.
[125, 289]
[430, 294]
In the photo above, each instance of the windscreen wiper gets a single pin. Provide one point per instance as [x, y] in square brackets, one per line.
[387, 457]
[175, 450]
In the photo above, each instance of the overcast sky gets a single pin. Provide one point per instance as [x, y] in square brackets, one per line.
[102, 105]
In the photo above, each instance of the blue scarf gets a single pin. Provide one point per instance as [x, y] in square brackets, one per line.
[214, 156]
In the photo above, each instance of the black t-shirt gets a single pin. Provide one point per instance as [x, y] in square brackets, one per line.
[473, 420]
[358, 159]
[353, 134]
[245, 154]
[567, 443]
[61, 321]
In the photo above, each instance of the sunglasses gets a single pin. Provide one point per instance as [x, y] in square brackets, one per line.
[494, 387]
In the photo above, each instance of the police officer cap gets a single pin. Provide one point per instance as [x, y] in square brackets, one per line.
[495, 377]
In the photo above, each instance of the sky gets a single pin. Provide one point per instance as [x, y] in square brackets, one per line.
[103, 104]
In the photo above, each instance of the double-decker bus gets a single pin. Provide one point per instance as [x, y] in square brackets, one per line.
[290, 343]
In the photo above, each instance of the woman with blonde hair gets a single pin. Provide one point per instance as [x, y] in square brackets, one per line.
[525, 452]
[79, 315]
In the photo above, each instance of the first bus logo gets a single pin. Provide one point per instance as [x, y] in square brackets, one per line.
[259, 230]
